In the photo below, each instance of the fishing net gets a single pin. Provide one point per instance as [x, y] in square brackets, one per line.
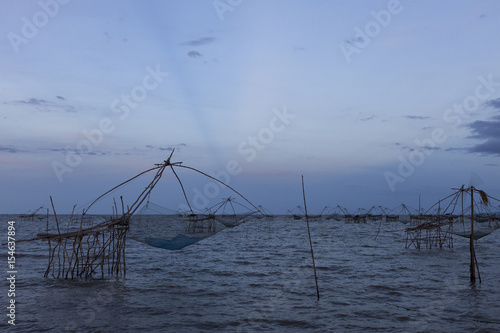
[160, 227]
[163, 228]
[481, 228]
[228, 212]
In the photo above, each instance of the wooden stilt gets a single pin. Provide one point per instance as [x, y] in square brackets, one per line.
[471, 240]
[310, 241]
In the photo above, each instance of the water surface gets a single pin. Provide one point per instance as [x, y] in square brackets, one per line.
[259, 277]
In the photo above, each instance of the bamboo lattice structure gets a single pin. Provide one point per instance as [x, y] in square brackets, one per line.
[434, 231]
[88, 251]
[93, 249]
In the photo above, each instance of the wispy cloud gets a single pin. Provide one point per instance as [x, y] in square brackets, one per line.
[403, 147]
[166, 148]
[33, 101]
[90, 153]
[57, 148]
[368, 118]
[10, 149]
[416, 117]
[410, 149]
[199, 42]
[45, 150]
[456, 149]
[45, 105]
[194, 54]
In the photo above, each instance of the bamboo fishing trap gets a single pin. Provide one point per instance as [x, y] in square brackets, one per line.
[82, 245]
[453, 215]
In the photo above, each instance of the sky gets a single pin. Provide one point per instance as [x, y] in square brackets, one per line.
[375, 103]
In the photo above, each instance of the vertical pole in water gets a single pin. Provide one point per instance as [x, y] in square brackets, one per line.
[419, 208]
[310, 241]
[471, 240]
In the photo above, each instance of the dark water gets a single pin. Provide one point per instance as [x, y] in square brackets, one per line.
[258, 277]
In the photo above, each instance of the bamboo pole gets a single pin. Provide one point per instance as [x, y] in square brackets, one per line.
[124, 247]
[59, 238]
[471, 240]
[310, 241]
[50, 247]
[220, 182]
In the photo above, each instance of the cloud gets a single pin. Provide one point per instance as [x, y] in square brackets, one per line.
[92, 152]
[199, 42]
[490, 147]
[57, 148]
[45, 105]
[494, 103]
[45, 150]
[79, 152]
[10, 149]
[489, 132]
[195, 54]
[33, 101]
[486, 130]
[456, 149]
[410, 149]
[403, 147]
[167, 148]
[429, 148]
[417, 117]
[368, 118]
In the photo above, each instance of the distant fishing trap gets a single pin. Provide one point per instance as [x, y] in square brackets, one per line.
[461, 214]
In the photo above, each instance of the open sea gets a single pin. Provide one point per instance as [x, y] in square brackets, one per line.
[258, 277]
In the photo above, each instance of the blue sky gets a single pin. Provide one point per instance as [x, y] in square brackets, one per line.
[374, 102]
